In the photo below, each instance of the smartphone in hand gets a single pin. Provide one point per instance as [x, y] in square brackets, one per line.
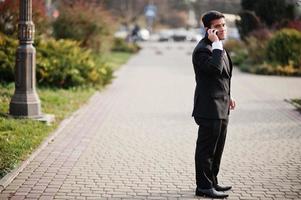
[212, 35]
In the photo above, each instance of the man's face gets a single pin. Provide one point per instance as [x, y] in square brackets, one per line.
[220, 26]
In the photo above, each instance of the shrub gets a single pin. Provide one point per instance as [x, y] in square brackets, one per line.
[239, 57]
[294, 24]
[237, 50]
[64, 63]
[85, 22]
[8, 48]
[233, 45]
[60, 63]
[285, 48]
[283, 70]
[123, 46]
[256, 44]
[262, 34]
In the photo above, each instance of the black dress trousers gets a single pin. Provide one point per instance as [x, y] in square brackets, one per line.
[209, 149]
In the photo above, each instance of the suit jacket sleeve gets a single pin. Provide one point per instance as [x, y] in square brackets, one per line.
[209, 62]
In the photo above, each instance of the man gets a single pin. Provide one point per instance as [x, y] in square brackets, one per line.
[212, 104]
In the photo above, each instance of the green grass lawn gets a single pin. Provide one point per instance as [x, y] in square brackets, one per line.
[19, 137]
[116, 59]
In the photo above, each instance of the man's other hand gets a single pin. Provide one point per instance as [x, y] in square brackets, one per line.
[232, 104]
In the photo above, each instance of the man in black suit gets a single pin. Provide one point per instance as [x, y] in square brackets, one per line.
[212, 104]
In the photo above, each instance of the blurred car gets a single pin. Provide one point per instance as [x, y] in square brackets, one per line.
[144, 34]
[122, 33]
[154, 37]
[180, 35]
[165, 35]
[194, 35]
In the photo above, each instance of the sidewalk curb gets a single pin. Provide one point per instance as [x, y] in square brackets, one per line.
[8, 178]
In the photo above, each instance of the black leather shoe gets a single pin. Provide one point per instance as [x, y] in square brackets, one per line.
[222, 188]
[212, 193]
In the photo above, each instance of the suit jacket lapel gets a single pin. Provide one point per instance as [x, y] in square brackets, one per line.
[230, 63]
[227, 63]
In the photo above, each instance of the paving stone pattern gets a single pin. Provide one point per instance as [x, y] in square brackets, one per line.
[136, 139]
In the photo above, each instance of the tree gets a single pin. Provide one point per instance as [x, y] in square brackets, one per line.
[9, 12]
[84, 21]
[259, 13]
[270, 11]
[248, 22]
[278, 10]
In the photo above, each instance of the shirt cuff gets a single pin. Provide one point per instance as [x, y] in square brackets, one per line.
[217, 45]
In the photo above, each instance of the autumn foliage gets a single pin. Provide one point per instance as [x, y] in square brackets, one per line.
[9, 15]
[86, 22]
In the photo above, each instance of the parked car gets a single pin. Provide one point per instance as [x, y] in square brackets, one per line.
[180, 34]
[165, 35]
[122, 32]
[144, 34]
[194, 35]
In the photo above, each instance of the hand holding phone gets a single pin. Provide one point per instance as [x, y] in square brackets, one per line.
[212, 35]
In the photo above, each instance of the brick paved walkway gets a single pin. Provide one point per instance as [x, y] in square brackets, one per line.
[136, 139]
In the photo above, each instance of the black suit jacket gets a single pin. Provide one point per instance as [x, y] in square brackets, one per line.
[213, 71]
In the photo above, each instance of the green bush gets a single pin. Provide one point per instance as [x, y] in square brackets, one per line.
[256, 50]
[256, 44]
[233, 45]
[61, 63]
[239, 57]
[8, 48]
[237, 50]
[270, 69]
[285, 48]
[122, 46]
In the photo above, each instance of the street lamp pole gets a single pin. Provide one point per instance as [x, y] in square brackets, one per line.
[25, 101]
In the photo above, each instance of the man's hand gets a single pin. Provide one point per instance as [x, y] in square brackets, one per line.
[212, 35]
[232, 104]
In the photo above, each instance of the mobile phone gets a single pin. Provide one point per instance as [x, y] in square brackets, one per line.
[216, 31]
[206, 34]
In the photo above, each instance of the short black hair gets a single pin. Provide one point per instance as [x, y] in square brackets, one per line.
[209, 16]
